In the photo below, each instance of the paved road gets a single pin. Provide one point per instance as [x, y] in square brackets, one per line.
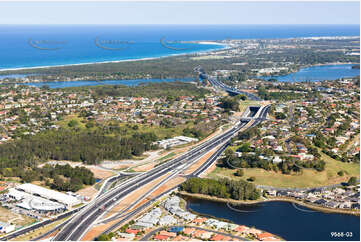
[75, 229]
[80, 223]
[197, 172]
[150, 234]
[230, 90]
[59, 217]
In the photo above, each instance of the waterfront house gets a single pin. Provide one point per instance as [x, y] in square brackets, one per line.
[199, 220]
[331, 204]
[264, 236]
[241, 229]
[320, 202]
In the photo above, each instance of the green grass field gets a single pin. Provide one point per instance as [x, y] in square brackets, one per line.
[64, 123]
[309, 178]
[161, 132]
[244, 104]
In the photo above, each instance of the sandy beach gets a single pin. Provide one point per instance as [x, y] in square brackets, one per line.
[119, 61]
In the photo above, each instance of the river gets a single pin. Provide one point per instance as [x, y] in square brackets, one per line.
[314, 73]
[289, 221]
[318, 73]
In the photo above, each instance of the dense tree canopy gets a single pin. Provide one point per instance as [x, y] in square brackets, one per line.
[224, 188]
[64, 144]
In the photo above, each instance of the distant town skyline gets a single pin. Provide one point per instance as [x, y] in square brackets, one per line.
[180, 12]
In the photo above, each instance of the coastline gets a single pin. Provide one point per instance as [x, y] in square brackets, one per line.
[278, 199]
[225, 46]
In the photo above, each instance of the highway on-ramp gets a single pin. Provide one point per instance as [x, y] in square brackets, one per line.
[79, 224]
[82, 221]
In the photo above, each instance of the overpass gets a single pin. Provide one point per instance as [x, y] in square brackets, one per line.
[221, 86]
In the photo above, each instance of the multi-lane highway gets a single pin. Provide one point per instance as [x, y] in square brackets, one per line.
[80, 223]
[104, 200]
[87, 215]
[85, 218]
[224, 87]
[261, 115]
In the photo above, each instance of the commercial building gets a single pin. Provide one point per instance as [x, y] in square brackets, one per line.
[49, 194]
[30, 202]
[179, 140]
[6, 228]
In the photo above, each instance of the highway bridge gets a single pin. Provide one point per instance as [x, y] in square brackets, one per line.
[220, 85]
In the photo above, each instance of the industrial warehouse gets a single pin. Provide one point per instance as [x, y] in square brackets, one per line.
[40, 199]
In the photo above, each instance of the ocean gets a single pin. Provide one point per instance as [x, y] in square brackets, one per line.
[26, 46]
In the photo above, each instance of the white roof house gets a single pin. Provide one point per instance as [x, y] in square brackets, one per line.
[49, 194]
[126, 235]
[167, 220]
[277, 160]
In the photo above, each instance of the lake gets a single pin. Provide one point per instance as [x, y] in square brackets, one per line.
[290, 221]
[318, 73]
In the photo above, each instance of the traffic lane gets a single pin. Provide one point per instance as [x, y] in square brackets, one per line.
[192, 152]
[144, 182]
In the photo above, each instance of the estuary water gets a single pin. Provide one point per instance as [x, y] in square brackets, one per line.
[290, 221]
[314, 73]
[318, 73]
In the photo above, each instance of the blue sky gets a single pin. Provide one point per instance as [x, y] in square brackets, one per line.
[179, 12]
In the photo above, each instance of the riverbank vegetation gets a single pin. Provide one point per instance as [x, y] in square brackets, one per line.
[222, 188]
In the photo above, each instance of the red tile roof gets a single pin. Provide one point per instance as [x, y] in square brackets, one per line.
[218, 237]
[160, 237]
[262, 236]
[131, 231]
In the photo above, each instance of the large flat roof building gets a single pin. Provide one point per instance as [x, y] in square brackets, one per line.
[49, 194]
[29, 201]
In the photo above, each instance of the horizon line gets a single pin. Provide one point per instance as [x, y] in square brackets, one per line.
[172, 24]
